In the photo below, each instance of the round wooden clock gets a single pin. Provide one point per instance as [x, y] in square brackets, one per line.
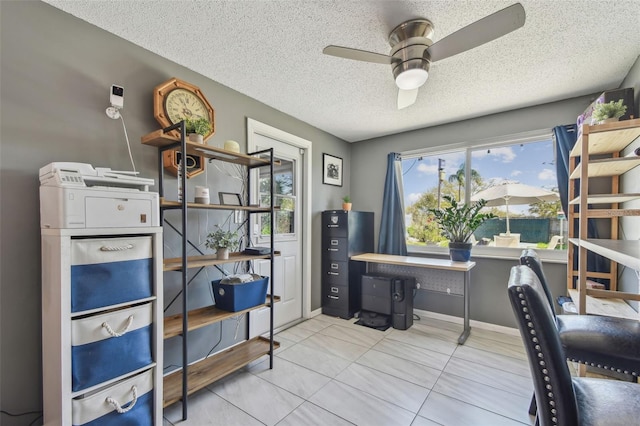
[173, 101]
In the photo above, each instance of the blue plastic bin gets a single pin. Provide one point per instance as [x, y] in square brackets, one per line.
[237, 297]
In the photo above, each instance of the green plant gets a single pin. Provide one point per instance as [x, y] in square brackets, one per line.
[609, 110]
[222, 239]
[459, 221]
[199, 125]
[346, 199]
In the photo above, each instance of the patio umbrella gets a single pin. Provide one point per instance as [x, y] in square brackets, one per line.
[514, 194]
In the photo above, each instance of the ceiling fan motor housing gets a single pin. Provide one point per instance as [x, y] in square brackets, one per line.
[409, 42]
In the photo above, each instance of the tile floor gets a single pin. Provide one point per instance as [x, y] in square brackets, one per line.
[329, 371]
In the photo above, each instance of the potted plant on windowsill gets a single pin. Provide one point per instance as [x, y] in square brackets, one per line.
[196, 128]
[222, 241]
[609, 112]
[346, 203]
[457, 223]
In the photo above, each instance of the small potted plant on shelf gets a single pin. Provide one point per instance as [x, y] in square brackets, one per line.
[196, 128]
[222, 241]
[346, 203]
[608, 112]
[457, 223]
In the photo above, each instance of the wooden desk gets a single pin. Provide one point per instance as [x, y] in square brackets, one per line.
[430, 263]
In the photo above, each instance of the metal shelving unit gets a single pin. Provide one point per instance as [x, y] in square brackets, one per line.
[193, 377]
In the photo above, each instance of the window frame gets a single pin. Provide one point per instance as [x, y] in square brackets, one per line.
[507, 253]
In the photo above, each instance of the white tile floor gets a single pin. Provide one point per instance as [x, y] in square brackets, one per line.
[329, 371]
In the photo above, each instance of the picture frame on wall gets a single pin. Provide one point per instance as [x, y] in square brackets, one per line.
[332, 170]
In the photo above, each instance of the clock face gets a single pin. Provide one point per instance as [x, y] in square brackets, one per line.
[180, 104]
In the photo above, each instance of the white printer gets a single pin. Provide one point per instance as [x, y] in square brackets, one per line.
[75, 195]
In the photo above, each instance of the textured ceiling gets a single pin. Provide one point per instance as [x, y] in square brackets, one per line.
[272, 52]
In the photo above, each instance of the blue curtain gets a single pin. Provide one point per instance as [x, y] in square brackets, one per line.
[392, 228]
[565, 137]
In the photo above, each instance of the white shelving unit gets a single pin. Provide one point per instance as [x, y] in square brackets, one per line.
[61, 322]
[599, 153]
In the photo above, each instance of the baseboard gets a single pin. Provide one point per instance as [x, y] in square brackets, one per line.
[472, 323]
[315, 313]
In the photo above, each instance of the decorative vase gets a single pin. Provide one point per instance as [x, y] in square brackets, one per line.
[460, 252]
[346, 207]
[197, 138]
[222, 253]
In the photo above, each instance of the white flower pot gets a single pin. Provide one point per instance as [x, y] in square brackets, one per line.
[222, 253]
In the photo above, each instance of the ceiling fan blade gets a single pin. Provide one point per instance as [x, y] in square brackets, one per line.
[356, 54]
[478, 33]
[406, 97]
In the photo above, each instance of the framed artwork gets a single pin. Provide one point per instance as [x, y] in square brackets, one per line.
[230, 199]
[332, 170]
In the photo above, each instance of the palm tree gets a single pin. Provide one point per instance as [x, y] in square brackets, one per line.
[458, 178]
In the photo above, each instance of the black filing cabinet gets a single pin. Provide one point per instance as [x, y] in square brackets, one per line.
[344, 234]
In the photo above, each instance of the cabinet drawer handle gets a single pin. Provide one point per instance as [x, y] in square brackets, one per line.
[334, 266]
[116, 405]
[334, 290]
[332, 226]
[116, 248]
[333, 273]
[334, 242]
[113, 333]
[332, 297]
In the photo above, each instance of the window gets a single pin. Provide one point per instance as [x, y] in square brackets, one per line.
[284, 197]
[520, 222]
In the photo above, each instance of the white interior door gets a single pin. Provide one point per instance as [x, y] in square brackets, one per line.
[289, 235]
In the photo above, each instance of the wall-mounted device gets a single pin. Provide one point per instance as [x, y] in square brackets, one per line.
[116, 98]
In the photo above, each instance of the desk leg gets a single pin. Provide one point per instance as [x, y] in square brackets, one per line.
[467, 329]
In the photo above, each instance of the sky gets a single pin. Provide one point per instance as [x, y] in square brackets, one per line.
[530, 164]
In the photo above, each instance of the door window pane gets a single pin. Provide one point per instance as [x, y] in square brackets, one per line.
[284, 197]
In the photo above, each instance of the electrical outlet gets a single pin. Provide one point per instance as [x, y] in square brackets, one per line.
[418, 286]
[448, 290]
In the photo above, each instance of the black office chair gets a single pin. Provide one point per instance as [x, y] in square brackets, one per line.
[604, 342]
[563, 400]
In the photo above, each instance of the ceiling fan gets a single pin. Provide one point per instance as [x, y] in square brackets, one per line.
[412, 49]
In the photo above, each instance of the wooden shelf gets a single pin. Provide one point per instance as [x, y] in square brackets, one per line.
[626, 252]
[175, 263]
[161, 140]
[609, 137]
[606, 198]
[167, 204]
[209, 370]
[609, 307]
[204, 316]
[607, 167]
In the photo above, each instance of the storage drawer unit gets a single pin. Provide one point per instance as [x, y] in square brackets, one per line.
[102, 325]
[344, 234]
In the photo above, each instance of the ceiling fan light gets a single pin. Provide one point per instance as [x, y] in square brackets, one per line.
[412, 78]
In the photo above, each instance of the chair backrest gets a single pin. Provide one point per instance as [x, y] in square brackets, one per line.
[553, 243]
[530, 258]
[552, 382]
[512, 235]
[504, 241]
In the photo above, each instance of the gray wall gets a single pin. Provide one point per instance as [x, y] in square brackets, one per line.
[489, 278]
[55, 80]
